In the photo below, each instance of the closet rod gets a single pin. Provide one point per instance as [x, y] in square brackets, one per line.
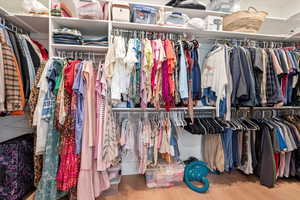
[78, 53]
[5, 23]
[203, 109]
[118, 31]
[277, 108]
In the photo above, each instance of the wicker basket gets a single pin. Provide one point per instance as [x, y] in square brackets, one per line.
[248, 21]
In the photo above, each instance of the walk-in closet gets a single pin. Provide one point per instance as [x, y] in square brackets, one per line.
[140, 100]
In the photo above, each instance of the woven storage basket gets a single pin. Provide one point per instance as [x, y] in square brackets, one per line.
[248, 21]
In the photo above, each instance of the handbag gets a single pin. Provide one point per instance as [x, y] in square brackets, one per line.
[248, 21]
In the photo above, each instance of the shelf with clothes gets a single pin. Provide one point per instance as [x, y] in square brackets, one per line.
[84, 34]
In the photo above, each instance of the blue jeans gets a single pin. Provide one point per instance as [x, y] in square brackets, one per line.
[227, 146]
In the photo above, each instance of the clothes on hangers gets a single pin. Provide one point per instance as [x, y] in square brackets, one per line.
[71, 129]
[265, 147]
[253, 77]
[148, 72]
[151, 140]
[20, 60]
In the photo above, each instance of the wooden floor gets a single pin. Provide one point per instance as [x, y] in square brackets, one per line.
[235, 186]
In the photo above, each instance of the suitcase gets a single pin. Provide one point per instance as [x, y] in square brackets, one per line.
[16, 168]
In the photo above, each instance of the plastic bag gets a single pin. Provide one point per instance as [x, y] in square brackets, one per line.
[34, 6]
[176, 18]
[90, 10]
[225, 5]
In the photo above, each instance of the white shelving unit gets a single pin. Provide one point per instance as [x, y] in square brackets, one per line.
[86, 26]
[151, 27]
[32, 23]
[273, 29]
[28, 22]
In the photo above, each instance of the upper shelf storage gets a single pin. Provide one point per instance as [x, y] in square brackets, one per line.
[274, 28]
[28, 22]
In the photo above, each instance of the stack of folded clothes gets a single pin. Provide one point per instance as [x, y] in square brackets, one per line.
[95, 41]
[67, 36]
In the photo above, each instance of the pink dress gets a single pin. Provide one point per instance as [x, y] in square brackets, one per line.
[101, 88]
[90, 183]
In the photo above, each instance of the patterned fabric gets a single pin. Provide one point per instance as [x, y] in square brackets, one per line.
[47, 188]
[11, 79]
[48, 106]
[34, 94]
[16, 168]
[272, 87]
[69, 161]
[33, 98]
[110, 141]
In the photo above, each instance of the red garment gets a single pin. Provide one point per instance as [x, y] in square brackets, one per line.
[68, 171]
[43, 51]
[155, 64]
[284, 82]
[190, 64]
[69, 75]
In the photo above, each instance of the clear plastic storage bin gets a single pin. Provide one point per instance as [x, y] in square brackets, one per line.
[144, 14]
[165, 175]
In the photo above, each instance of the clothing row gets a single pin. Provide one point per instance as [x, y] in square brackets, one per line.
[249, 76]
[269, 148]
[74, 37]
[79, 137]
[75, 134]
[166, 73]
[20, 58]
[151, 140]
[154, 73]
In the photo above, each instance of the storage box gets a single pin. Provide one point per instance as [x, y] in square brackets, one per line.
[165, 175]
[16, 168]
[121, 12]
[213, 23]
[144, 14]
[114, 187]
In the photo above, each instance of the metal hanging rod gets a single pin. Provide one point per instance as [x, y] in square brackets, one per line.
[114, 30]
[143, 33]
[204, 109]
[79, 53]
[251, 42]
[10, 26]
